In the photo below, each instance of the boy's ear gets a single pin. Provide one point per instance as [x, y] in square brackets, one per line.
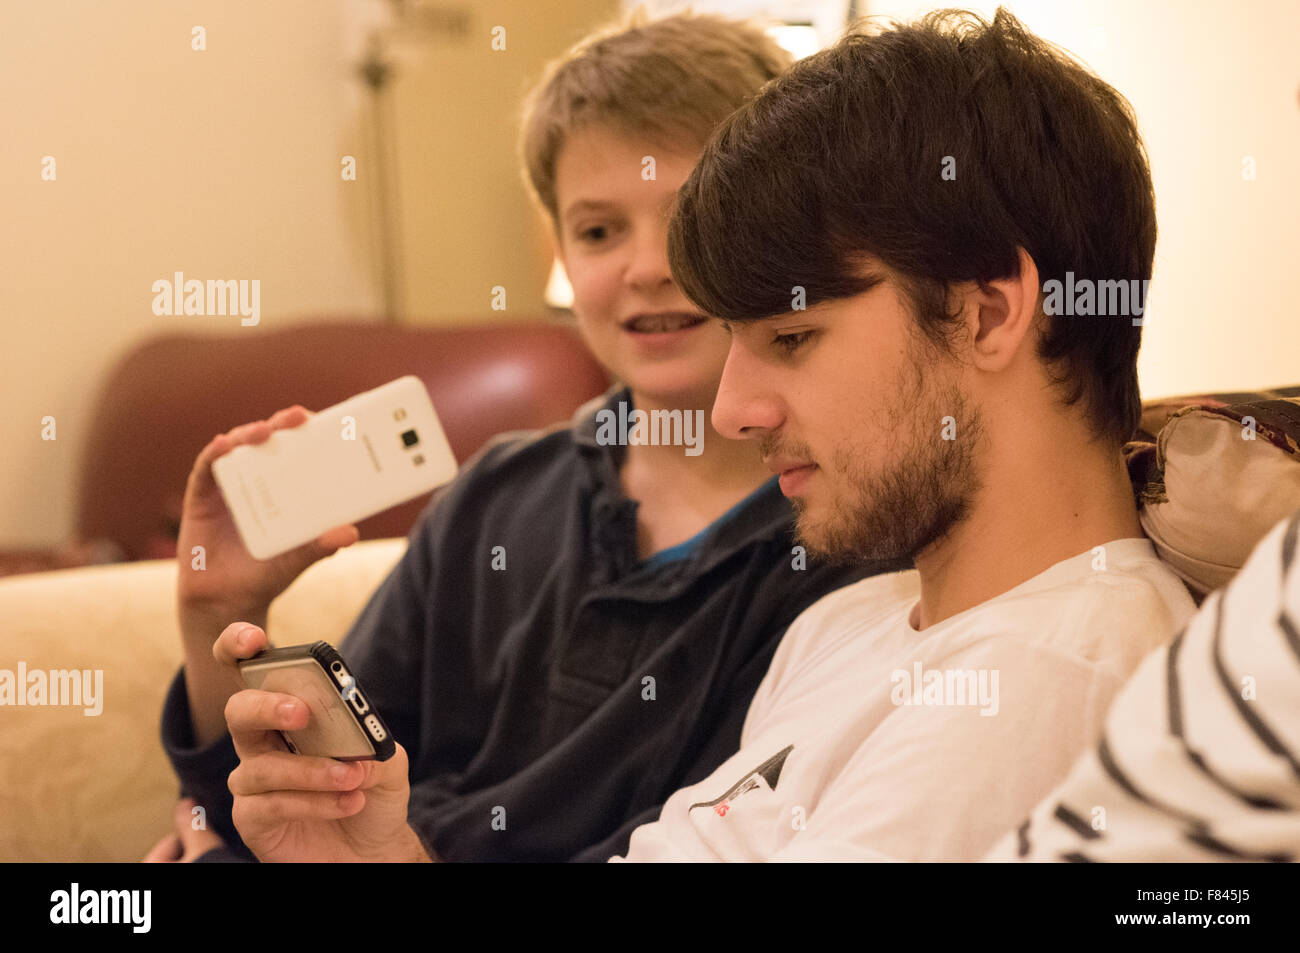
[1000, 316]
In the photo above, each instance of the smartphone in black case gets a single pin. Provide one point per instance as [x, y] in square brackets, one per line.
[343, 724]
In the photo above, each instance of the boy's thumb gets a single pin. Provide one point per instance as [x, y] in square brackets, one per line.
[337, 538]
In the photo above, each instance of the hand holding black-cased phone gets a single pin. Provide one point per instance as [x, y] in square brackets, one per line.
[341, 724]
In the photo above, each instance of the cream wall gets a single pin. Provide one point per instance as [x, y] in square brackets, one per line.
[1211, 83]
[225, 163]
[465, 225]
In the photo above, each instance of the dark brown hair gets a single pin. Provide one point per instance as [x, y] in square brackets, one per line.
[842, 156]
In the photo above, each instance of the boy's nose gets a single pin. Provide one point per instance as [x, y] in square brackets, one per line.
[648, 270]
[747, 407]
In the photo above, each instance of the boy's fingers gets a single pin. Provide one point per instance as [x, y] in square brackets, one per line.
[238, 641]
[337, 538]
[289, 417]
[297, 561]
[166, 851]
[253, 718]
[257, 813]
[282, 771]
[255, 432]
[386, 775]
[201, 480]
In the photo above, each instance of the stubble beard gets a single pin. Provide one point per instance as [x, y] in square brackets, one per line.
[894, 513]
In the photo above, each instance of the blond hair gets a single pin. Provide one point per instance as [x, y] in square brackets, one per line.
[671, 80]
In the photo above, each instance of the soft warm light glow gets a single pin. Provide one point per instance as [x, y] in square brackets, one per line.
[559, 293]
[798, 39]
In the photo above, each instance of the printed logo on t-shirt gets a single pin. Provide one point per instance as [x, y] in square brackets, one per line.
[769, 772]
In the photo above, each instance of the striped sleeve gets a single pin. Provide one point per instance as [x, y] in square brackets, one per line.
[1200, 756]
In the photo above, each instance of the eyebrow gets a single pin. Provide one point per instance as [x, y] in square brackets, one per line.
[601, 205]
[587, 205]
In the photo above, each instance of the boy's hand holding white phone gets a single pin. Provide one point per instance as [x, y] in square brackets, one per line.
[349, 461]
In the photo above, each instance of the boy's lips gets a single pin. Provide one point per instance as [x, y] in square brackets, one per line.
[786, 464]
[663, 322]
[794, 474]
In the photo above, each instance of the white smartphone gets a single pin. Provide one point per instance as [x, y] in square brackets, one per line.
[347, 462]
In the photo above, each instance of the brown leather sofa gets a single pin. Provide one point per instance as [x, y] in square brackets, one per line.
[168, 397]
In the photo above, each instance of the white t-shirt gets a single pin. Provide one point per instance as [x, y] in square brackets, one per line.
[1199, 757]
[852, 751]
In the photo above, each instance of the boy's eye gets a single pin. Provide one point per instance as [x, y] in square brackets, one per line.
[789, 343]
[594, 234]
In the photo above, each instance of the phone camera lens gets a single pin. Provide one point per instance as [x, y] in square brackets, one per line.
[410, 439]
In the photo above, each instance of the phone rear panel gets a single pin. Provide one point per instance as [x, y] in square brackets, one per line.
[331, 730]
[346, 463]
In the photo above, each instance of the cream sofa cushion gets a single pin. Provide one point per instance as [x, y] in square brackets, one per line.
[78, 787]
[1220, 488]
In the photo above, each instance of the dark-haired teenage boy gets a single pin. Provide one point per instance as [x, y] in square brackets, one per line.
[877, 228]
